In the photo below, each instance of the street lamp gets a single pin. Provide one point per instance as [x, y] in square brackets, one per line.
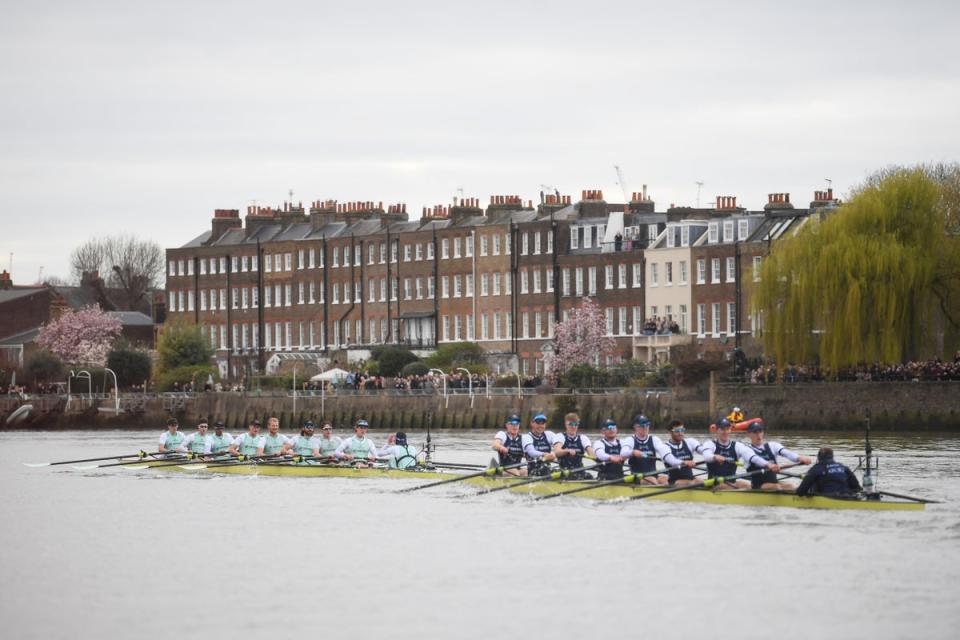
[443, 376]
[116, 388]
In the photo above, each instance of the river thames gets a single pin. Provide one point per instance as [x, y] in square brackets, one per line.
[153, 554]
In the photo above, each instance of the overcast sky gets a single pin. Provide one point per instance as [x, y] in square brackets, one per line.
[143, 117]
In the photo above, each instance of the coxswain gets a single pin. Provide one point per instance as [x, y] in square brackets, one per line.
[249, 443]
[171, 440]
[274, 443]
[305, 445]
[358, 446]
[644, 451]
[722, 454]
[571, 447]
[538, 446]
[610, 452]
[509, 445]
[765, 456]
[328, 442]
[828, 477]
[199, 443]
[679, 458]
[737, 415]
[220, 441]
[398, 453]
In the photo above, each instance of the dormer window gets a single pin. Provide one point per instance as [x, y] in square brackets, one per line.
[685, 236]
[743, 229]
[652, 232]
[728, 231]
[671, 234]
[713, 233]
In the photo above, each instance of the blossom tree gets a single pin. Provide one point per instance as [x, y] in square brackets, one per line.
[81, 337]
[580, 339]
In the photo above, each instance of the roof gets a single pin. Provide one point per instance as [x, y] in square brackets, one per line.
[78, 297]
[7, 295]
[132, 318]
[24, 337]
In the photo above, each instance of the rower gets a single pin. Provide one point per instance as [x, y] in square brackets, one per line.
[249, 443]
[509, 445]
[398, 453]
[199, 443]
[764, 456]
[328, 441]
[171, 440]
[358, 446]
[274, 444]
[679, 458]
[644, 450]
[721, 455]
[538, 446]
[571, 447]
[737, 415]
[220, 441]
[306, 444]
[610, 452]
[828, 477]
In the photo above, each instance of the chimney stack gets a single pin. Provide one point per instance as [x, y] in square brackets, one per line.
[223, 220]
[6, 281]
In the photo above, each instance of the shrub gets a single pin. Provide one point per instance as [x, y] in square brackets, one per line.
[417, 368]
[392, 360]
[43, 366]
[584, 375]
[131, 366]
[183, 345]
[197, 373]
[458, 354]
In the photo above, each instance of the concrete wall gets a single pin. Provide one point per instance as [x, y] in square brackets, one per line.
[909, 406]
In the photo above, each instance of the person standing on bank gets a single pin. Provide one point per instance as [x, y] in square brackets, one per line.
[571, 447]
[171, 440]
[538, 446]
[199, 443]
[765, 456]
[509, 445]
[644, 451]
[610, 451]
[828, 477]
[679, 459]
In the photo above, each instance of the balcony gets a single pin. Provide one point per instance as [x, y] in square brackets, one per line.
[656, 347]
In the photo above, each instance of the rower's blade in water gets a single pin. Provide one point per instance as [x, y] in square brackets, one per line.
[36, 464]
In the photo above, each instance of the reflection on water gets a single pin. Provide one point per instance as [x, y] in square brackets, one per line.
[100, 553]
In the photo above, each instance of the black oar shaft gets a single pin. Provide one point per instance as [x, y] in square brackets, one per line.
[703, 484]
[558, 474]
[489, 471]
[138, 454]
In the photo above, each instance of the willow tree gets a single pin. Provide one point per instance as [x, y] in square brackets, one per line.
[876, 281]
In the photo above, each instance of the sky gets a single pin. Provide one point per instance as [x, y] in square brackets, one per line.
[135, 117]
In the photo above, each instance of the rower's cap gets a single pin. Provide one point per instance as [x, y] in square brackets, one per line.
[723, 423]
[755, 427]
[309, 425]
[641, 420]
[254, 423]
[609, 423]
[363, 423]
[401, 438]
[218, 424]
[513, 419]
[172, 421]
[540, 418]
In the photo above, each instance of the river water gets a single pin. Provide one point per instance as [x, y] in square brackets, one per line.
[151, 554]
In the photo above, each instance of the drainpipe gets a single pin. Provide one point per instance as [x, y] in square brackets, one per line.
[473, 239]
[260, 333]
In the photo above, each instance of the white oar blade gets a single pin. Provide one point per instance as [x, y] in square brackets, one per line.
[36, 464]
[84, 467]
[192, 467]
[135, 467]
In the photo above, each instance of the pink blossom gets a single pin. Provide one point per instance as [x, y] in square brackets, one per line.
[580, 339]
[81, 337]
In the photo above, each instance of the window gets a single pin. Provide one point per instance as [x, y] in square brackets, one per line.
[407, 253]
[536, 245]
[190, 300]
[419, 251]
[484, 284]
[457, 290]
[313, 292]
[549, 280]
[336, 294]
[756, 268]
[685, 236]
[372, 334]
[637, 275]
[524, 282]
[457, 328]
[524, 324]
[608, 276]
[394, 251]
[267, 295]
[622, 276]
[234, 265]
[578, 279]
[301, 259]
[430, 251]
[172, 271]
[622, 328]
[701, 320]
[407, 289]
[506, 251]
[469, 285]
[496, 244]
[637, 320]
[444, 286]
[323, 290]
[383, 289]
[253, 263]
[701, 271]
[743, 229]
[213, 332]
[383, 253]
[173, 301]
[728, 231]
[496, 326]
[456, 250]
[445, 336]
[234, 299]
[203, 299]
[244, 298]
[716, 319]
[484, 333]
[483, 247]
[371, 253]
[536, 281]
[671, 234]
[537, 324]
[731, 318]
[320, 263]
[190, 267]
[431, 287]
[288, 262]
[223, 265]
[213, 299]
[468, 243]
[444, 249]
[301, 298]
[359, 333]
[565, 280]
[669, 274]
[496, 284]
[654, 277]
[524, 238]
[549, 243]
[288, 295]
[213, 265]
[592, 281]
[507, 284]
[683, 272]
[223, 299]
[346, 263]
[731, 270]
[653, 311]
[715, 271]
[608, 313]
[312, 263]
[336, 257]
[418, 285]
[713, 233]
[574, 238]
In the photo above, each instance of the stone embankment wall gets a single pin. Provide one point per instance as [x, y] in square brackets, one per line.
[908, 406]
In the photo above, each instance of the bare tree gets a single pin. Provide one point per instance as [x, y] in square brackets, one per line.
[124, 262]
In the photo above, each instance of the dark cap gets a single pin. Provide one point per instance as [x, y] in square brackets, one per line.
[755, 427]
[218, 424]
[254, 423]
[172, 421]
[539, 418]
[363, 423]
[309, 425]
[641, 420]
[609, 423]
[723, 423]
[401, 438]
[513, 418]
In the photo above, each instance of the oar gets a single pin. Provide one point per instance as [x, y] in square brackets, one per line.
[123, 464]
[904, 497]
[489, 471]
[632, 478]
[559, 474]
[193, 462]
[711, 482]
[140, 454]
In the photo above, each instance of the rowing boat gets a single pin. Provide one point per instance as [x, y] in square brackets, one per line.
[747, 497]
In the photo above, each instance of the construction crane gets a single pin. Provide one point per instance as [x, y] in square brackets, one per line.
[622, 183]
